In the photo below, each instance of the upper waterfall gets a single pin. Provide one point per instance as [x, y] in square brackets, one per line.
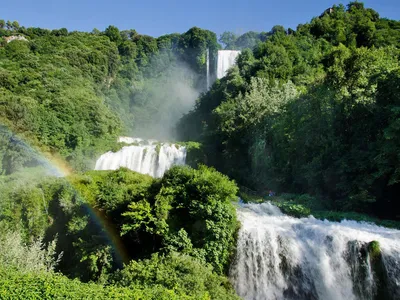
[226, 59]
[280, 257]
[143, 156]
[208, 76]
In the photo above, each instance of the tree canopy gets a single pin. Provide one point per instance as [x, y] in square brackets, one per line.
[310, 111]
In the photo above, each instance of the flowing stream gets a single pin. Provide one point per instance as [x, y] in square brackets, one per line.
[143, 156]
[280, 257]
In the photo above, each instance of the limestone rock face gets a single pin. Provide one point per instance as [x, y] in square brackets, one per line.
[15, 38]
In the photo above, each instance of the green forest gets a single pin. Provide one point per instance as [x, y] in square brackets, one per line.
[312, 113]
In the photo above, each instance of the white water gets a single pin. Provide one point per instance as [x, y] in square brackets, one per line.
[208, 69]
[226, 59]
[143, 157]
[280, 257]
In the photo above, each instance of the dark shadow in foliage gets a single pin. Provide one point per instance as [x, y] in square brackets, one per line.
[87, 251]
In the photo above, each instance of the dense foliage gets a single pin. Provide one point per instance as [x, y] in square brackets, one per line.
[72, 93]
[191, 276]
[46, 285]
[173, 277]
[314, 111]
[311, 111]
[88, 226]
[247, 40]
[67, 96]
[48, 91]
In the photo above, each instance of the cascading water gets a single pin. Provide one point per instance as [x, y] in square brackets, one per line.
[208, 69]
[226, 59]
[280, 257]
[145, 156]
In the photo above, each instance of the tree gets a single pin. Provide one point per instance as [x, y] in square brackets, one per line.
[95, 31]
[228, 39]
[263, 99]
[248, 40]
[64, 31]
[278, 28]
[129, 34]
[326, 141]
[2, 24]
[15, 25]
[113, 33]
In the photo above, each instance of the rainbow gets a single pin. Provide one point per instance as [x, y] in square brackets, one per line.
[56, 166]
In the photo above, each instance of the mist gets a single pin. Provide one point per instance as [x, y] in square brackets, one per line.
[18, 157]
[161, 101]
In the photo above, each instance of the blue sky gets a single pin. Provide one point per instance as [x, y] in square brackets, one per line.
[156, 17]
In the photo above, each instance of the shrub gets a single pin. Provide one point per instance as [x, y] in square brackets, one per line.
[25, 258]
[293, 209]
[48, 285]
[180, 273]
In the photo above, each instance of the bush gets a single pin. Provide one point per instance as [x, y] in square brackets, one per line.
[293, 209]
[47, 285]
[25, 258]
[199, 201]
[180, 273]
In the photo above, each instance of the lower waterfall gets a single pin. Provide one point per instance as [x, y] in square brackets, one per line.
[144, 156]
[280, 257]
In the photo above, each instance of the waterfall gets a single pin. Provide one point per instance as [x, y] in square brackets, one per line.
[143, 156]
[226, 59]
[208, 68]
[280, 257]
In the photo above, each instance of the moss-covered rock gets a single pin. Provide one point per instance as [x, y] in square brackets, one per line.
[366, 265]
[374, 251]
[118, 146]
[379, 271]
